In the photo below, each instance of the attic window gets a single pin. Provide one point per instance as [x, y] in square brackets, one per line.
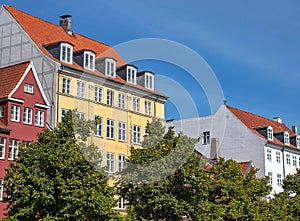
[286, 138]
[149, 81]
[270, 133]
[131, 74]
[66, 51]
[110, 67]
[28, 88]
[298, 142]
[89, 60]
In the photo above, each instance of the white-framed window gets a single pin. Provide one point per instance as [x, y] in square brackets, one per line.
[89, 60]
[121, 203]
[13, 149]
[278, 157]
[66, 85]
[1, 189]
[122, 159]
[149, 81]
[286, 138]
[2, 111]
[136, 134]
[98, 94]
[2, 148]
[80, 115]
[110, 97]
[63, 113]
[110, 162]
[270, 180]
[131, 74]
[294, 161]
[15, 113]
[298, 141]
[28, 88]
[136, 104]
[110, 67]
[148, 108]
[206, 137]
[80, 89]
[122, 131]
[66, 53]
[270, 133]
[110, 129]
[121, 99]
[39, 118]
[98, 125]
[27, 115]
[288, 159]
[146, 131]
[279, 179]
[269, 155]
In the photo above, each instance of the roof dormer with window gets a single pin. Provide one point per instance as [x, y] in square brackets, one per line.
[270, 133]
[110, 67]
[131, 74]
[146, 79]
[66, 53]
[286, 138]
[89, 60]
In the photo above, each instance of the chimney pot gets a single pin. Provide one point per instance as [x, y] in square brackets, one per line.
[277, 119]
[295, 129]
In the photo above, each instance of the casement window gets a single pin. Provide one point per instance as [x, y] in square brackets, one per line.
[15, 113]
[80, 115]
[149, 81]
[63, 113]
[121, 162]
[89, 60]
[131, 74]
[298, 141]
[270, 133]
[279, 179]
[294, 161]
[110, 67]
[2, 148]
[269, 155]
[110, 129]
[288, 159]
[80, 89]
[28, 88]
[136, 104]
[121, 99]
[66, 53]
[98, 94]
[13, 149]
[122, 131]
[286, 138]
[110, 162]
[148, 108]
[146, 131]
[98, 125]
[1, 189]
[2, 111]
[136, 134]
[39, 118]
[270, 180]
[66, 85]
[27, 115]
[121, 203]
[278, 157]
[206, 137]
[110, 97]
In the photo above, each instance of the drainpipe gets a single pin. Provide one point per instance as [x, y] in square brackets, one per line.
[283, 162]
[155, 101]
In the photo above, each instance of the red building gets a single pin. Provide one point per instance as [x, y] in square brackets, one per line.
[23, 110]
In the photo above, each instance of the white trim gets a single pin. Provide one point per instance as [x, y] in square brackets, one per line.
[150, 75]
[87, 66]
[42, 106]
[16, 100]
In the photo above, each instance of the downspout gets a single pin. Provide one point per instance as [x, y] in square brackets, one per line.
[283, 162]
[155, 101]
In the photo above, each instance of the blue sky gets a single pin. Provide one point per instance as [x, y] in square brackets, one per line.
[253, 47]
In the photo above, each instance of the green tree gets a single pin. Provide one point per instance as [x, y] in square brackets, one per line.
[52, 180]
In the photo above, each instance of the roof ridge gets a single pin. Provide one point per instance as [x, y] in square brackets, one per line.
[17, 64]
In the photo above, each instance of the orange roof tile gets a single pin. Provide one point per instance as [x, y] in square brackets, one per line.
[244, 166]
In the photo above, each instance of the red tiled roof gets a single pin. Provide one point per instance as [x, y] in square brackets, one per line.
[244, 166]
[10, 76]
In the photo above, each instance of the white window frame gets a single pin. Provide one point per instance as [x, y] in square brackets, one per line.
[2, 147]
[28, 88]
[1, 189]
[110, 97]
[110, 67]
[136, 134]
[98, 94]
[110, 162]
[270, 133]
[122, 131]
[98, 131]
[269, 155]
[149, 81]
[66, 85]
[1, 111]
[121, 163]
[66, 53]
[110, 129]
[81, 89]
[131, 74]
[298, 141]
[270, 180]
[136, 104]
[13, 149]
[286, 138]
[206, 137]
[27, 115]
[279, 179]
[288, 159]
[121, 100]
[39, 119]
[15, 113]
[294, 161]
[278, 157]
[148, 108]
[89, 60]
[63, 113]
[80, 115]
[121, 203]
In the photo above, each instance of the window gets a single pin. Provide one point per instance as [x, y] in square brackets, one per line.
[110, 162]
[294, 161]
[269, 154]
[136, 134]
[27, 115]
[131, 74]
[98, 124]
[110, 97]
[63, 113]
[299, 162]
[66, 51]
[110, 67]
[288, 159]
[80, 115]
[205, 137]
[98, 94]
[136, 104]
[39, 118]
[298, 141]
[121, 99]
[270, 180]
[286, 138]
[278, 157]
[270, 133]
[2, 148]
[121, 203]
[110, 129]
[80, 89]
[28, 88]
[279, 180]
[89, 60]
[66, 85]
[13, 149]
[146, 131]
[15, 113]
[1, 189]
[148, 108]
[2, 111]
[122, 131]
[121, 162]
[149, 81]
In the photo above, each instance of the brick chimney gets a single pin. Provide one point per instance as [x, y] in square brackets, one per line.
[66, 22]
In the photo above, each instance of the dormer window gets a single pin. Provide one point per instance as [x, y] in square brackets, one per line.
[110, 67]
[89, 60]
[270, 133]
[149, 81]
[298, 142]
[131, 74]
[286, 138]
[66, 53]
